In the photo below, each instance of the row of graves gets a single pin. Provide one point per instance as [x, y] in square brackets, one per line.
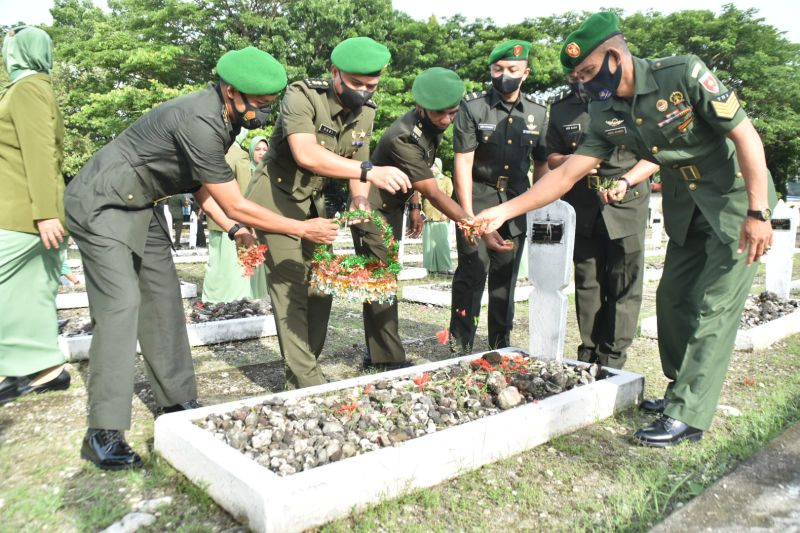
[348, 444]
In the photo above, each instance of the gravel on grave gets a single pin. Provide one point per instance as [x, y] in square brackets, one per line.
[79, 324]
[292, 435]
[764, 308]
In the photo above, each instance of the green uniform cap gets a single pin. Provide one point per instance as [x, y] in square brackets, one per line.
[252, 71]
[360, 55]
[514, 49]
[594, 31]
[437, 88]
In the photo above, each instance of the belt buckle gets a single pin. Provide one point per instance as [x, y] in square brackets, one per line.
[593, 181]
[501, 183]
[690, 173]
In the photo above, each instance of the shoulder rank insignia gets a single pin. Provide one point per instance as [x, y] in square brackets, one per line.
[475, 95]
[563, 95]
[371, 103]
[529, 97]
[319, 85]
[725, 105]
[671, 61]
[416, 133]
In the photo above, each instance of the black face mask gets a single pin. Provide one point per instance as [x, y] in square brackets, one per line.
[351, 98]
[428, 124]
[604, 84]
[253, 117]
[506, 84]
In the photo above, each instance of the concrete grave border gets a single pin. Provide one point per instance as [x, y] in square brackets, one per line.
[76, 348]
[423, 294]
[267, 502]
[76, 300]
[747, 340]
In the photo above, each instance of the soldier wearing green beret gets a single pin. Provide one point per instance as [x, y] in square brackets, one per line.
[609, 234]
[497, 134]
[717, 194]
[410, 144]
[134, 293]
[323, 131]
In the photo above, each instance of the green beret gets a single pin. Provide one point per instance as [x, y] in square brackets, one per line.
[594, 31]
[514, 49]
[252, 71]
[437, 88]
[360, 55]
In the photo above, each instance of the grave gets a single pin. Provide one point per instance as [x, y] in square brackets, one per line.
[268, 502]
[432, 294]
[75, 300]
[779, 260]
[76, 348]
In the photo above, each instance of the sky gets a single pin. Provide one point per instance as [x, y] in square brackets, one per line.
[783, 14]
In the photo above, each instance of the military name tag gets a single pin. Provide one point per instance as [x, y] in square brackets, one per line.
[725, 105]
[487, 127]
[572, 128]
[614, 132]
[327, 130]
[530, 132]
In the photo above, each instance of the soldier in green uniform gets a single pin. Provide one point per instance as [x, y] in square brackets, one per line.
[133, 288]
[410, 144]
[609, 237]
[717, 195]
[497, 133]
[323, 131]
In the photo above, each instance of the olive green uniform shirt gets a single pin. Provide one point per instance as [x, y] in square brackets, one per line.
[569, 120]
[504, 138]
[172, 149]
[310, 106]
[31, 152]
[678, 118]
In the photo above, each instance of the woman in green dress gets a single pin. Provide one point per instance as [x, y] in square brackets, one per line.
[435, 242]
[224, 280]
[31, 219]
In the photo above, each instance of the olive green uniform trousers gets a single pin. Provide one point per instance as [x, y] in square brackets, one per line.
[699, 304]
[130, 298]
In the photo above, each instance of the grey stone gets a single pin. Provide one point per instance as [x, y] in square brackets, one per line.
[508, 398]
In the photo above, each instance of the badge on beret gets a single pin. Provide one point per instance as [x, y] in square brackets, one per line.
[614, 122]
[517, 50]
[662, 105]
[709, 82]
[676, 97]
[725, 105]
[573, 50]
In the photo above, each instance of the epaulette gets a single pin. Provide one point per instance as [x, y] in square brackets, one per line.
[371, 103]
[475, 95]
[672, 61]
[317, 84]
[563, 95]
[416, 133]
[529, 97]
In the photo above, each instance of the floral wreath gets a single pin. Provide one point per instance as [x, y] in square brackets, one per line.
[357, 277]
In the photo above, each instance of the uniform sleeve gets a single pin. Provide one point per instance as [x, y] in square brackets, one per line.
[33, 112]
[465, 131]
[718, 106]
[409, 157]
[297, 113]
[204, 148]
[556, 144]
[595, 144]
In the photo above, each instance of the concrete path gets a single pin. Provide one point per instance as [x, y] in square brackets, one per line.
[760, 495]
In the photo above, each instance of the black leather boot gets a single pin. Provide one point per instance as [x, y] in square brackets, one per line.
[108, 450]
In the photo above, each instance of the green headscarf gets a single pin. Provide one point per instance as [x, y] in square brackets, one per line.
[27, 50]
[253, 143]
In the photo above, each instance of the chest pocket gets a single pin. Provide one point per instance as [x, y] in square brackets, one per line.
[488, 134]
[678, 129]
[327, 137]
[529, 137]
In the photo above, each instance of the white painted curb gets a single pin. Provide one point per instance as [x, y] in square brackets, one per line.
[76, 300]
[267, 502]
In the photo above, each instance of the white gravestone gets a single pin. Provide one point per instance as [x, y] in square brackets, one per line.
[551, 238]
[168, 217]
[780, 257]
[194, 227]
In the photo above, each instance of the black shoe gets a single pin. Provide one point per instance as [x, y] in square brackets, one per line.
[185, 406]
[9, 388]
[654, 406]
[666, 431]
[60, 382]
[107, 449]
[384, 367]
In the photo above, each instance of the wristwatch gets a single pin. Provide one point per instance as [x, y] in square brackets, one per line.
[366, 166]
[233, 230]
[627, 183]
[760, 214]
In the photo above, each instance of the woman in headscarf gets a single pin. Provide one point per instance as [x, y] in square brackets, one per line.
[435, 234]
[224, 280]
[31, 219]
[258, 147]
